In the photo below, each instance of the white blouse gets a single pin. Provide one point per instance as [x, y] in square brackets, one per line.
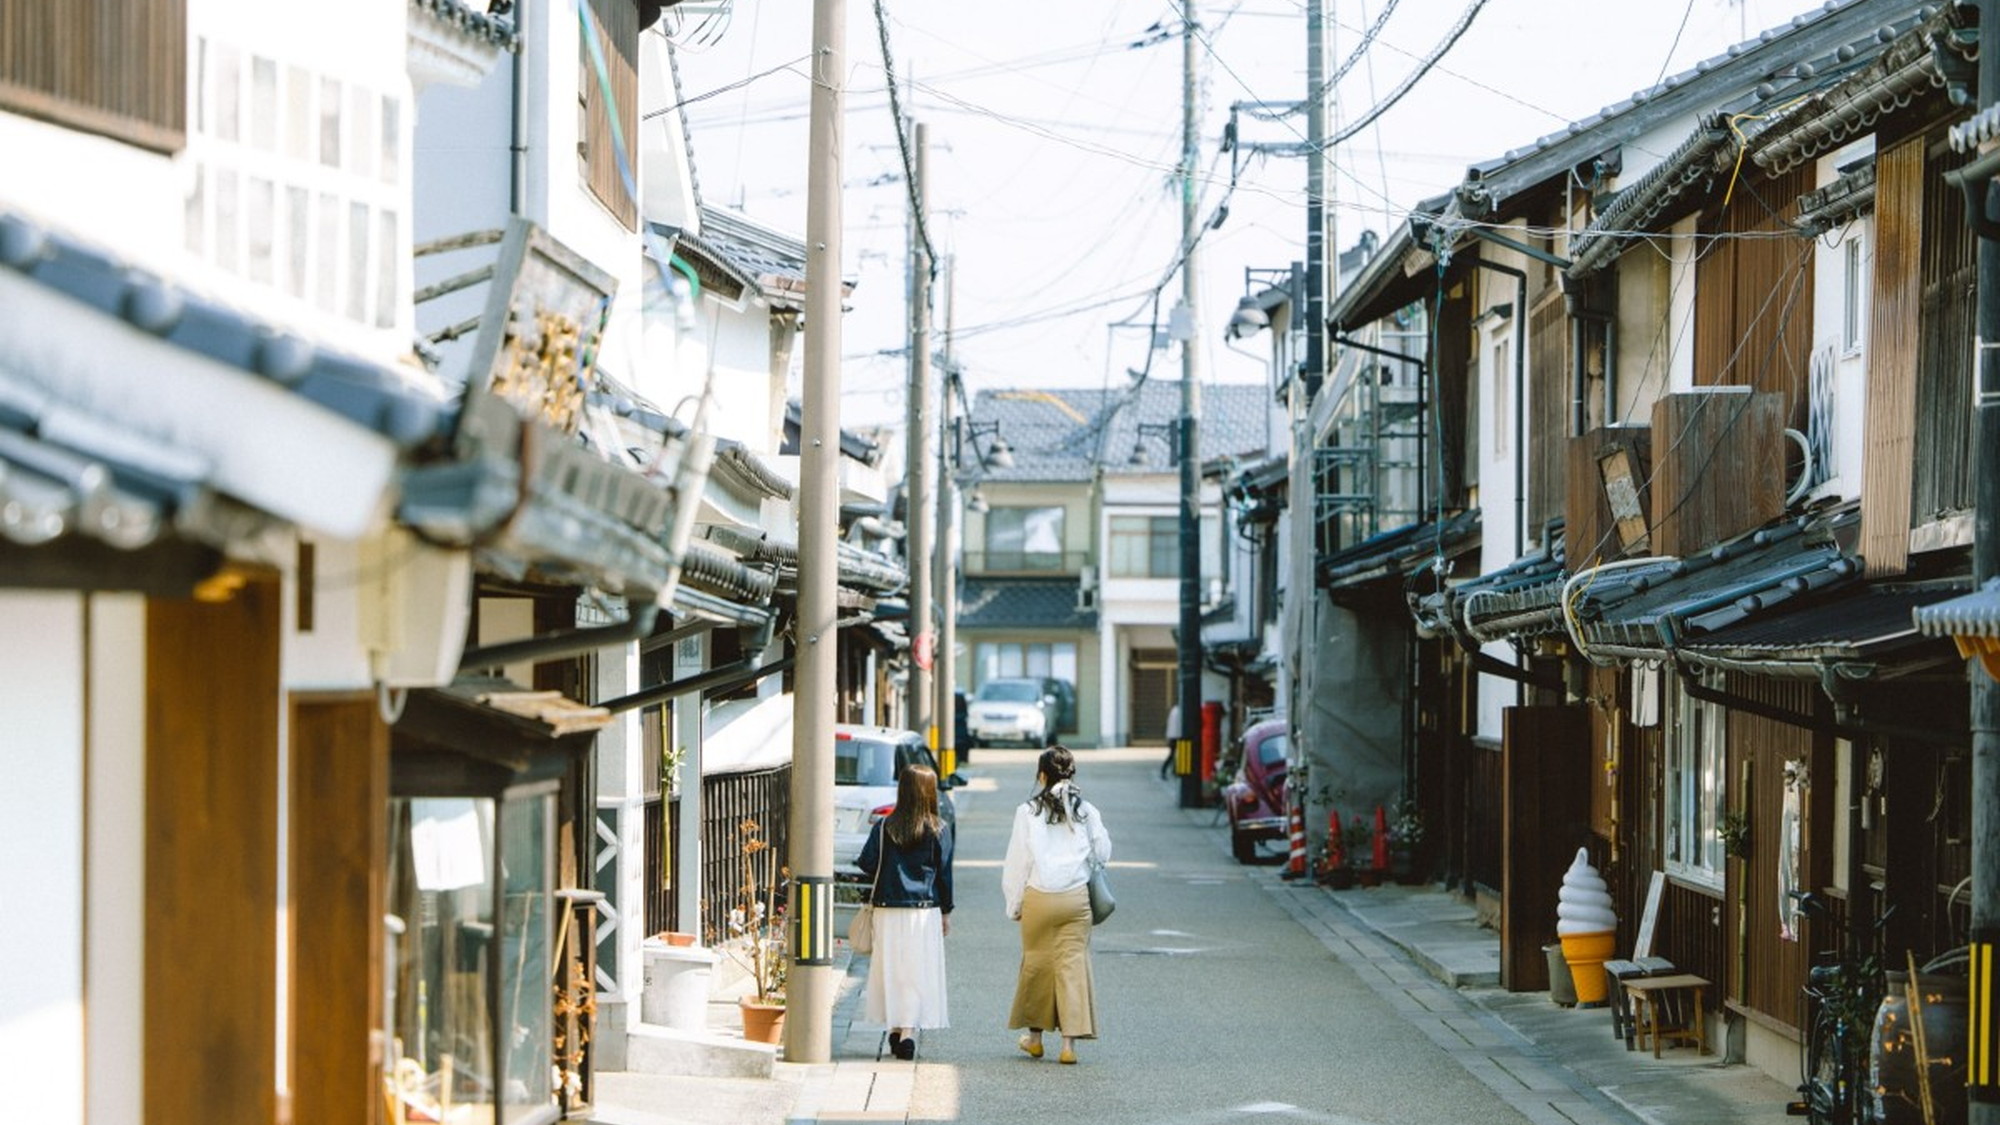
[1051, 857]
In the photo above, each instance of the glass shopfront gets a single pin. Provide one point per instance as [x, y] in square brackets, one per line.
[470, 970]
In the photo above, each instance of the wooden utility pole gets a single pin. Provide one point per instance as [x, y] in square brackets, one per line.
[810, 984]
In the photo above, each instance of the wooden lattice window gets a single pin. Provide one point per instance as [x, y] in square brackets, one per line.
[616, 23]
[113, 67]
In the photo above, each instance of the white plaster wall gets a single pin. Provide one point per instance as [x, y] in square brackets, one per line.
[330, 657]
[666, 179]
[1499, 443]
[42, 835]
[1650, 322]
[114, 975]
[1850, 366]
[1682, 250]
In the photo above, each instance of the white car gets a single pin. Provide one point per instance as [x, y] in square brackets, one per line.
[1024, 709]
[867, 762]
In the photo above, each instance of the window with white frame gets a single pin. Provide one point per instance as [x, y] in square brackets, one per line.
[1145, 546]
[1697, 756]
[1854, 293]
[1502, 349]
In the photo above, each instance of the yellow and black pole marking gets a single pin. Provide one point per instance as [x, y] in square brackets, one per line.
[812, 920]
[1982, 1072]
[1184, 757]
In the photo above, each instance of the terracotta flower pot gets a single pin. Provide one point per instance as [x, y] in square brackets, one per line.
[762, 1022]
[676, 937]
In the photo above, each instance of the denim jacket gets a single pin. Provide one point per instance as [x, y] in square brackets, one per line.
[913, 877]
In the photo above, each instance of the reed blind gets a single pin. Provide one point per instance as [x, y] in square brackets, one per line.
[112, 67]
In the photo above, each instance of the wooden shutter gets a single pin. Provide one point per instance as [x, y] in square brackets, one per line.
[211, 911]
[617, 26]
[339, 869]
[1548, 410]
[1892, 357]
[1546, 817]
[1944, 445]
[113, 67]
[1754, 294]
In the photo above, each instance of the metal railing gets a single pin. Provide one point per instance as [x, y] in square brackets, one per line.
[1025, 562]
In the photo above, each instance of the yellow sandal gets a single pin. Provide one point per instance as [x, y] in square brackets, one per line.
[1032, 1044]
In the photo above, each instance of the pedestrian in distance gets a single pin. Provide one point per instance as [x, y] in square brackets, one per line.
[1058, 837]
[908, 855]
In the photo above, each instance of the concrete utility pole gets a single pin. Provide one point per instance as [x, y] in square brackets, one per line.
[947, 556]
[1186, 759]
[916, 491]
[810, 984]
[1302, 591]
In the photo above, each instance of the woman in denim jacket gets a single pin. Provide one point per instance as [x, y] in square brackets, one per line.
[909, 857]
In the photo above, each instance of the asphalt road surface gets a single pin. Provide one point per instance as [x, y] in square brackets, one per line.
[1215, 1003]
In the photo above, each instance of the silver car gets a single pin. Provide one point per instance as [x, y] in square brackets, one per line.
[867, 761]
[1024, 709]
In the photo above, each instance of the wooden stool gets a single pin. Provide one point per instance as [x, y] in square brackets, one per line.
[1616, 973]
[1649, 995]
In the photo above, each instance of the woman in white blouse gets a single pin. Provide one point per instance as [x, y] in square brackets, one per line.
[1058, 836]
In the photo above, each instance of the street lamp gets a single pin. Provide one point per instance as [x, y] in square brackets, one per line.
[1248, 319]
[1164, 431]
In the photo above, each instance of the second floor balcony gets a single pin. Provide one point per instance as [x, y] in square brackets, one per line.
[1025, 562]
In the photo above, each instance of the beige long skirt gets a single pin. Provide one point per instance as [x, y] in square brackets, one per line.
[1055, 989]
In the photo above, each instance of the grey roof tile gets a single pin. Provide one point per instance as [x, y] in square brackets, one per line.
[1022, 603]
[1065, 433]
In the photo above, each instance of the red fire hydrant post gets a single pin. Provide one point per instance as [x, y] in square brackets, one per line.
[1211, 738]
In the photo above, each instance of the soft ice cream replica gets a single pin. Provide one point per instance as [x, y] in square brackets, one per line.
[1588, 928]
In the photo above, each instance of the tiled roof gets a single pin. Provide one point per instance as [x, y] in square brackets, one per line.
[1862, 623]
[1677, 603]
[471, 22]
[1395, 553]
[1022, 603]
[1976, 614]
[1065, 433]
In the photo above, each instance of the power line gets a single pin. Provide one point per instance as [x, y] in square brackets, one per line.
[1396, 95]
[903, 143]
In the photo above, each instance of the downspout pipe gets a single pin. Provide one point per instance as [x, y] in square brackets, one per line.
[1854, 730]
[517, 140]
[1494, 666]
[729, 677]
[557, 646]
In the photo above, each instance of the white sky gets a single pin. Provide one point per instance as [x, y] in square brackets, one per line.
[1054, 143]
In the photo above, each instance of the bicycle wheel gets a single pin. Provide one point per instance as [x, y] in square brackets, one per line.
[1821, 1087]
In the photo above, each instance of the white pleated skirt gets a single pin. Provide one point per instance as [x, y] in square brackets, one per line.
[906, 979]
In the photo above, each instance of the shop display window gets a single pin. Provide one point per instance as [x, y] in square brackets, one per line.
[470, 946]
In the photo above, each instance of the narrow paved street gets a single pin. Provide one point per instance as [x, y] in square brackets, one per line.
[1216, 1001]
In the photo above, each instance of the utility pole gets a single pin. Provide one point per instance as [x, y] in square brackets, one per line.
[1186, 760]
[1302, 636]
[916, 492]
[1981, 1090]
[946, 709]
[809, 984]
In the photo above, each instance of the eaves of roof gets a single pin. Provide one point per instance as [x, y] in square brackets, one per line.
[1920, 59]
[1850, 195]
[1396, 553]
[1648, 611]
[469, 22]
[1650, 201]
[1976, 614]
[712, 264]
[1023, 603]
[1856, 630]
[1770, 59]
[1765, 69]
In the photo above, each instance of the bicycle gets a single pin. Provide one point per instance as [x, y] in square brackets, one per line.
[1838, 1009]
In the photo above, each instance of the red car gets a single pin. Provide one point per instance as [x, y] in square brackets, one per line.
[1256, 799]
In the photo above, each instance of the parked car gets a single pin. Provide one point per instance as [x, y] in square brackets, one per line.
[1024, 709]
[867, 763]
[1256, 800]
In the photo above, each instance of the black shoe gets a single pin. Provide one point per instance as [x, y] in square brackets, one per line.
[896, 1042]
[905, 1049]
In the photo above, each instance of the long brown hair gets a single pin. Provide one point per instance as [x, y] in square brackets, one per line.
[915, 818]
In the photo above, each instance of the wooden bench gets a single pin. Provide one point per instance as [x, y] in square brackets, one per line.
[1669, 1008]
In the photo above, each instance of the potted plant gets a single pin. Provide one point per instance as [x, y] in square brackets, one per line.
[1406, 836]
[1734, 832]
[756, 940]
[1359, 842]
